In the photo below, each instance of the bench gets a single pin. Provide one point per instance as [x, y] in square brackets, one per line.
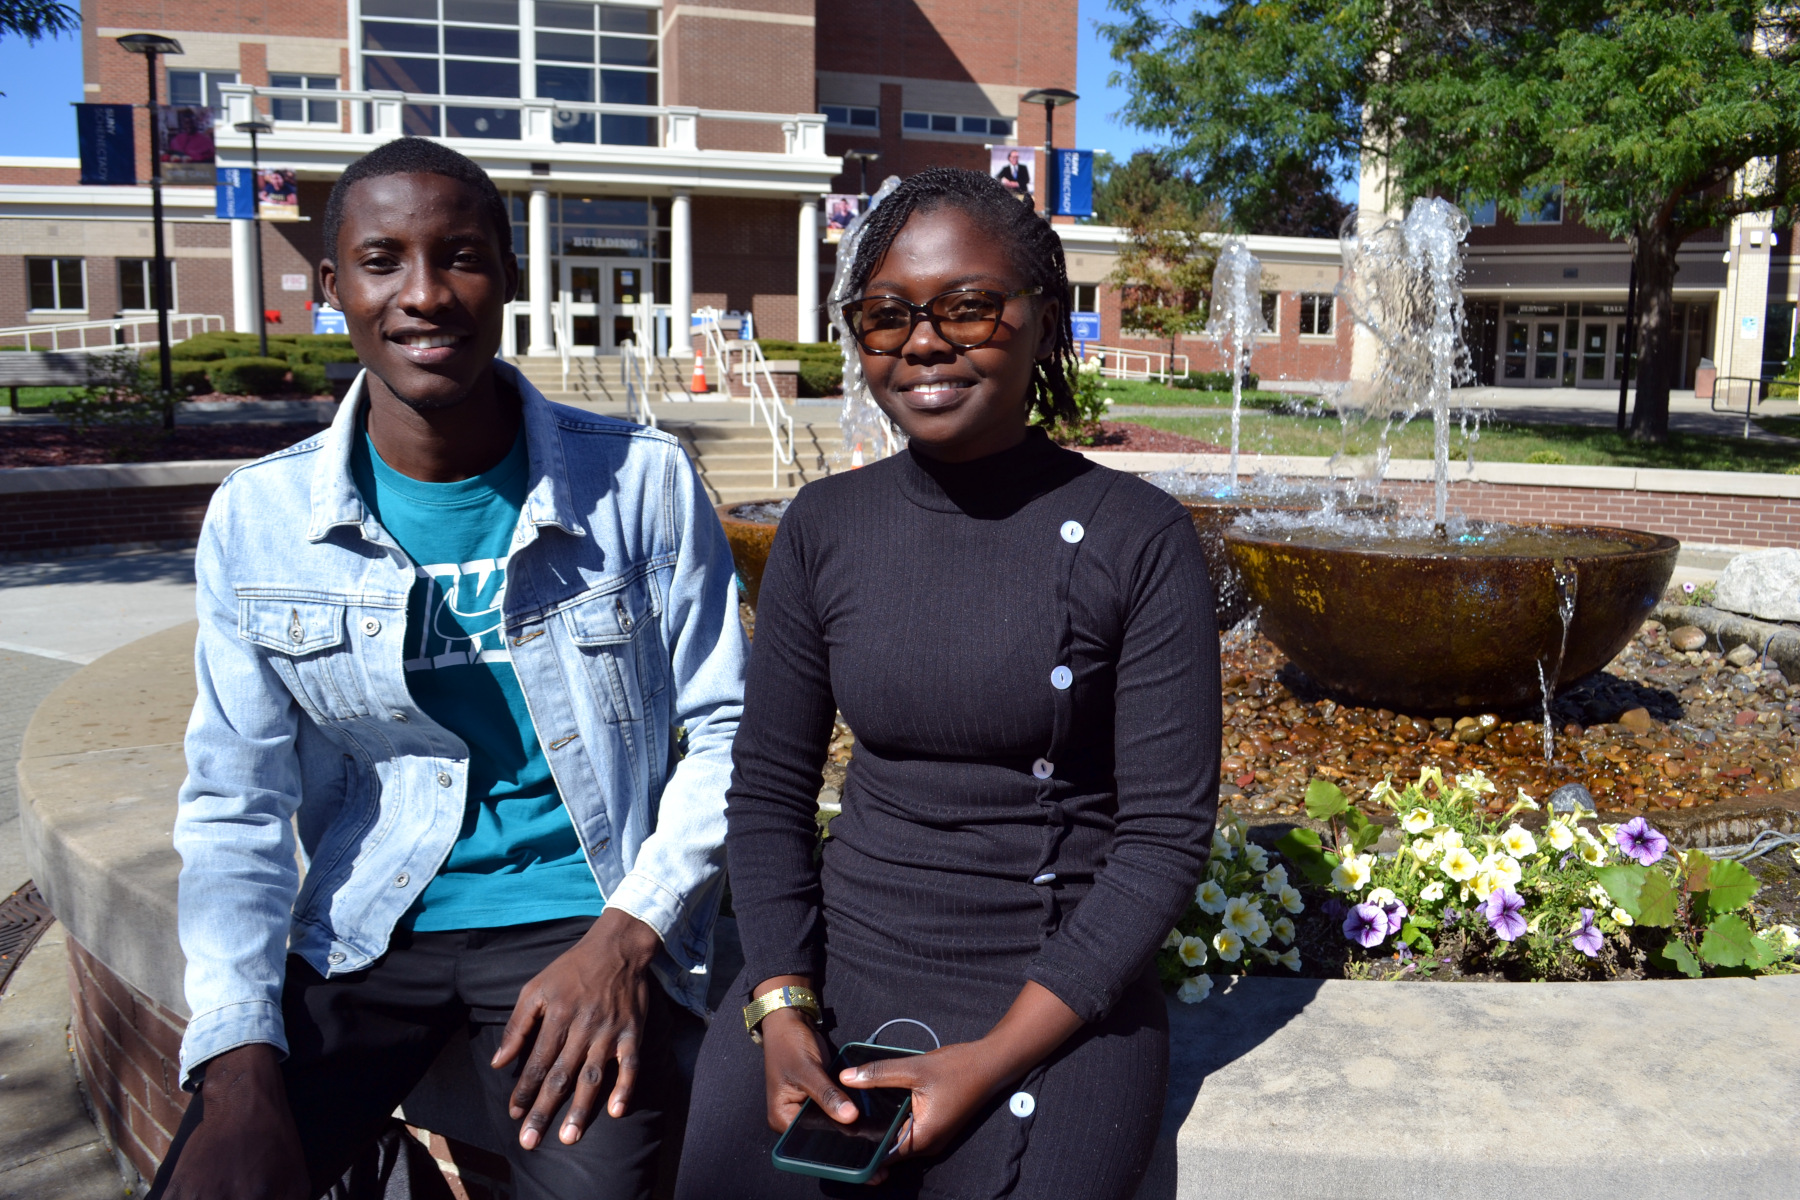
[43, 368]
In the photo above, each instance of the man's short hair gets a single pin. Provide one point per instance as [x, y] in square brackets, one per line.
[416, 156]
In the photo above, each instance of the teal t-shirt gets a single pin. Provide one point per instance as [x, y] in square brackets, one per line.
[517, 858]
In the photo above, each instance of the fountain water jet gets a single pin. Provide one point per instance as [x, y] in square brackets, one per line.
[1235, 320]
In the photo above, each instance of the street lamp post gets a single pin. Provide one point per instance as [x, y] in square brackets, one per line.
[1052, 99]
[863, 158]
[255, 128]
[150, 45]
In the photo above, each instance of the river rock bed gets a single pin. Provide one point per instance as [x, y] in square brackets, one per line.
[1657, 729]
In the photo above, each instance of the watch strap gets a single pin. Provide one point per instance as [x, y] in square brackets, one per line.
[788, 996]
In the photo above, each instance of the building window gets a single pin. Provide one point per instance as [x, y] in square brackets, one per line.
[56, 284]
[1086, 296]
[307, 112]
[1271, 311]
[1316, 313]
[598, 52]
[1481, 212]
[199, 89]
[471, 49]
[1542, 206]
[851, 116]
[923, 122]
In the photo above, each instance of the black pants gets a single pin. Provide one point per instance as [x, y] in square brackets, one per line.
[359, 1043]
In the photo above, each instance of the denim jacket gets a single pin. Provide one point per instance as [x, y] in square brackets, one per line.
[320, 800]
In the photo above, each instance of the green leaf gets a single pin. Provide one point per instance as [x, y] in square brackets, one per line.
[1302, 848]
[1732, 885]
[1412, 935]
[1728, 942]
[1325, 800]
[1645, 894]
[1675, 956]
[1768, 953]
[1365, 837]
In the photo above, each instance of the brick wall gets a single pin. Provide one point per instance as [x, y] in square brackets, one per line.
[759, 62]
[1285, 356]
[35, 522]
[1690, 516]
[128, 1053]
[744, 256]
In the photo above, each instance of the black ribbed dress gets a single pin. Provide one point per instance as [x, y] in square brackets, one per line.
[1025, 648]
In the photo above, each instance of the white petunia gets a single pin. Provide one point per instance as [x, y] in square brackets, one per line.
[1173, 940]
[1194, 989]
[1485, 884]
[1284, 930]
[1192, 951]
[1241, 913]
[1275, 880]
[1417, 821]
[1599, 895]
[1352, 875]
[1525, 801]
[1432, 892]
[1621, 916]
[1228, 944]
[1593, 853]
[1258, 933]
[1289, 958]
[1451, 840]
[1381, 895]
[1477, 782]
[1785, 937]
[1210, 897]
[1290, 900]
[1460, 865]
[1257, 857]
[1222, 847]
[1384, 793]
[1558, 836]
[1518, 841]
[1506, 869]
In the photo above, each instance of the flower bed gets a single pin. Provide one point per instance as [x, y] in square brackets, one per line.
[1469, 893]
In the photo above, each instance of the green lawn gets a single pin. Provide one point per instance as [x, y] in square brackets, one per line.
[1130, 391]
[1498, 442]
[39, 397]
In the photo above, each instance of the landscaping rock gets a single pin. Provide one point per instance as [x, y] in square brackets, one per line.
[1762, 583]
[1729, 629]
[1741, 656]
[1572, 797]
[1637, 720]
[1688, 637]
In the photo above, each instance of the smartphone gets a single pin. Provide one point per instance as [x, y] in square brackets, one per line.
[815, 1144]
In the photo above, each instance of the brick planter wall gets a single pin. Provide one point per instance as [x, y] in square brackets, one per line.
[35, 522]
[1690, 516]
[128, 1052]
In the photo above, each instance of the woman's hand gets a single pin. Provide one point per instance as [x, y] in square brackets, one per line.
[794, 1058]
[950, 1084]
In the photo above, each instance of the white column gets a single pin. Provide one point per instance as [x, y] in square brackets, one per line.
[539, 261]
[681, 273]
[245, 292]
[808, 291]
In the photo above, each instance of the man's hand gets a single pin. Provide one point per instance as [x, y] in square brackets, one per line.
[587, 1008]
[246, 1147]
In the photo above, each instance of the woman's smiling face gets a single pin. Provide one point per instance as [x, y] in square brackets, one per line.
[955, 404]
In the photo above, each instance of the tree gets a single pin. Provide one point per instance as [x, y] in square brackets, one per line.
[1138, 186]
[1164, 269]
[1303, 203]
[35, 19]
[1659, 118]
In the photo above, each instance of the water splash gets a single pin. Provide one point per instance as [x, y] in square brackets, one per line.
[1235, 320]
[865, 426]
[1403, 284]
[1566, 580]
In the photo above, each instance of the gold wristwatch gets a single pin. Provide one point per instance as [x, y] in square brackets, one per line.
[790, 996]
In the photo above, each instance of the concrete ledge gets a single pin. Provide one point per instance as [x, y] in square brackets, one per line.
[1299, 1087]
[1729, 630]
[98, 477]
[1629, 479]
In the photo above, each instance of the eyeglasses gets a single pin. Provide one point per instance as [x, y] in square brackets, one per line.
[965, 318]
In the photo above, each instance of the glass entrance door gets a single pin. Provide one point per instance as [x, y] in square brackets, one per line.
[627, 283]
[1546, 342]
[582, 303]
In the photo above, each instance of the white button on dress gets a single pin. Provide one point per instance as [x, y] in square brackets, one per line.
[1043, 768]
[1072, 532]
[1061, 678]
[1022, 1104]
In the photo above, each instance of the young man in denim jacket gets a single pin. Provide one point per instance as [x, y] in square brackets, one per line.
[469, 671]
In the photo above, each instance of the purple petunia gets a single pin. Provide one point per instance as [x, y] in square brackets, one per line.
[1395, 913]
[1366, 925]
[1587, 939]
[1640, 841]
[1505, 911]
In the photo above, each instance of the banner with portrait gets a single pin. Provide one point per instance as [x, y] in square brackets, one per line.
[1016, 169]
[840, 209]
[277, 194]
[187, 143]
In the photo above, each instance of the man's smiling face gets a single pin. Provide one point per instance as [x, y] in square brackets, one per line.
[422, 279]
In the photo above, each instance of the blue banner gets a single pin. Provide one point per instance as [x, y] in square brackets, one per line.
[1072, 183]
[234, 194]
[108, 143]
[1084, 326]
[327, 319]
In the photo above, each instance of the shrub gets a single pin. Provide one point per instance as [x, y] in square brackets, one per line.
[249, 376]
[320, 354]
[188, 377]
[820, 378]
[1548, 457]
[309, 379]
[1213, 381]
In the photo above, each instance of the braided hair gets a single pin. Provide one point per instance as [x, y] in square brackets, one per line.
[1034, 247]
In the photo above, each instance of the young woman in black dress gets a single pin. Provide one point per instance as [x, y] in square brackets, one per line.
[1024, 645]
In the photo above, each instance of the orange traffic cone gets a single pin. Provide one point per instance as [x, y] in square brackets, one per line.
[856, 457]
[698, 386]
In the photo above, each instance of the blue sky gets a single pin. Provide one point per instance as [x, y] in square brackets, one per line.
[1096, 125]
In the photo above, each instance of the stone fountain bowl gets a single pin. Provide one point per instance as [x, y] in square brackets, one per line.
[1213, 515]
[750, 528]
[1423, 625]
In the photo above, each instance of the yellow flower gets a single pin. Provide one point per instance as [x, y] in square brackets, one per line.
[1450, 840]
[1622, 917]
[1484, 884]
[1194, 989]
[1417, 821]
[1210, 897]
[1228, 944]
[1475, 781]
[1290, 900]
[1518, 841]
[1430, 775]
[1593, 853]
[1384, 793]
[1289, 958]
[1460, 865]
[1432, 892]
[1284, 930]
[1352, 875]
[1505, 868]
[1558, 836]
[1241, 915]
[1525, 801]
[1192, 952]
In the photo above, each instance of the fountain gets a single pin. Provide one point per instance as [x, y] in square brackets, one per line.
[1236, 319]
[1439, 615]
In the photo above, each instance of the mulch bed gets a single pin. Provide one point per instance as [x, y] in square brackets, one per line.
[60, 446]
[1124, 435]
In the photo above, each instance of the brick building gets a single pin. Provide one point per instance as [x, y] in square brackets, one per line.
[679, 151]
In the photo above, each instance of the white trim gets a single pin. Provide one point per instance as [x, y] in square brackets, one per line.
[735, 14]
[30, 160]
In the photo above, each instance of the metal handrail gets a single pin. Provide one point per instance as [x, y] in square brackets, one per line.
[1756, 391]
[1157, 364]
[115, 327]
[765, 405]
[634, 366]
